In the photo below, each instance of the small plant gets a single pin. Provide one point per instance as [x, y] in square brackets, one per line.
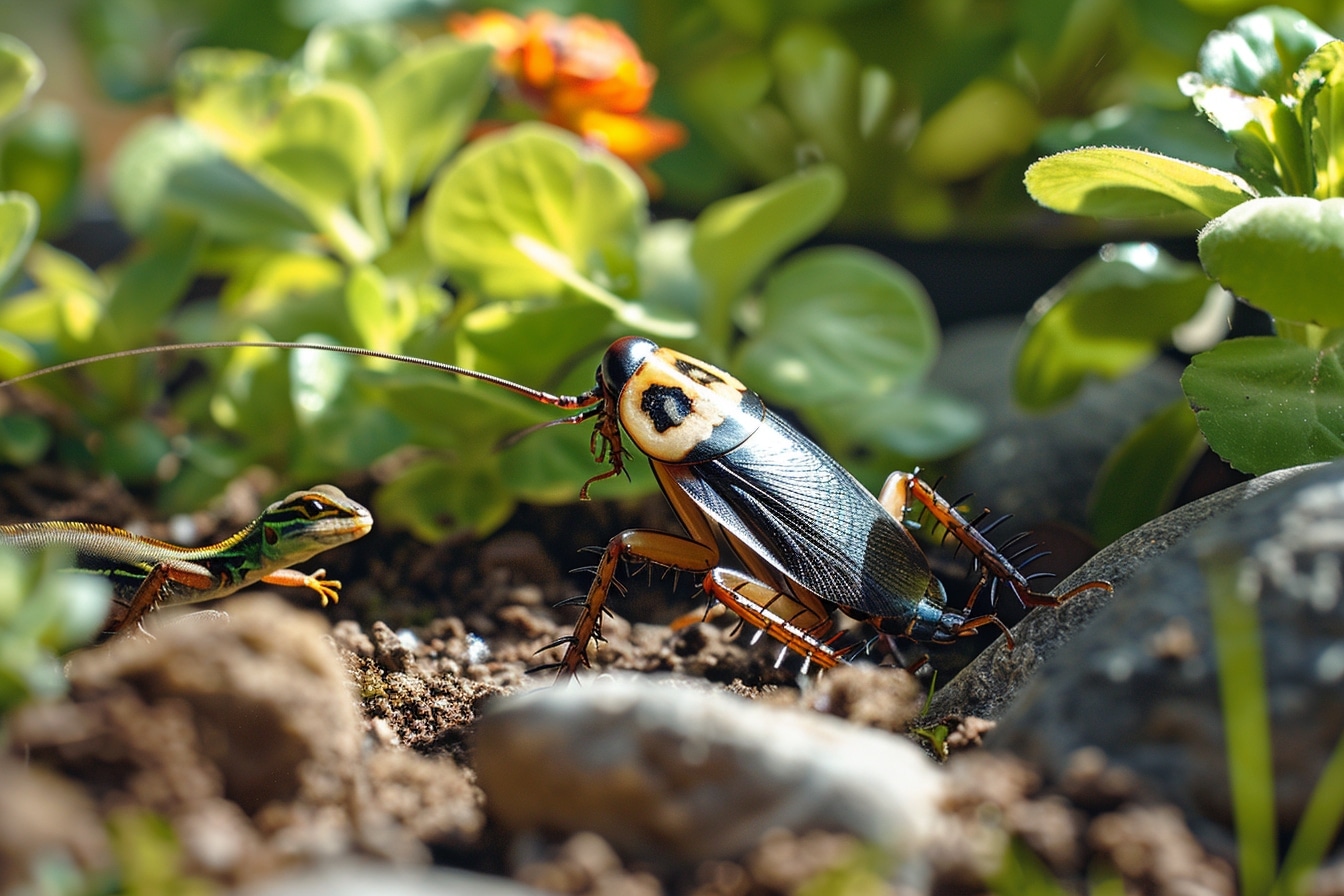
[336, 197]
[1273, 235]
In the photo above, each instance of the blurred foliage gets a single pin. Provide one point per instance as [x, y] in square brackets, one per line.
[1272, 235]
[333, 196]
[45, 611]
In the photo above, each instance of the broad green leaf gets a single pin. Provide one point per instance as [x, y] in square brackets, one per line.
[1258, 53]
[16, 355]
[1266, 133]
[737, 238]
[354, 53]
[21, 74]
[384, 310]
[232, 95]
[1322, 81]
[24, 438]
[426, 100]
[529, 342]
[436, 498]
[327, 141]
[1266, 403]
[817, 78]
[323, 153]
[1140, 479]
[169, 164]
[532, 182]
[316, 380]
[552, 466]
[1110, 182]
[838, 322]
[150, 284]
[42, 157]
[1112, 315]
[873, 436]
[988, 121]
[1284, 254]
[18, 225]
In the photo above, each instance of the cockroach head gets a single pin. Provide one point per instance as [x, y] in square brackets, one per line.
[623, 358]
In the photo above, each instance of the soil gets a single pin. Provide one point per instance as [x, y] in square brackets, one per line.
[370, 752]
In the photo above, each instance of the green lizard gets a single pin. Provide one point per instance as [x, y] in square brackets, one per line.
[147, 573]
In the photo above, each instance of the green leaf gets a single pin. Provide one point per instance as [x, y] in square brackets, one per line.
[873, 436]
[737, 238]
[1258, 53]
[426, 100]
[529, 342]
[42, 157]
[538, 183]
[21, 74]
[18, 225]
[316, 380]
[1266, 133]
[988, 121]
[171, 165]
[1322, 80]
[1284, 254]
[24, 438]
[335, 121]
[1110, 182]
[817, 78]
[838, 322]
[1110, 316]
[1140, 479]
[436, 498]
[1266, 403]
[232, 95]
[355, 52]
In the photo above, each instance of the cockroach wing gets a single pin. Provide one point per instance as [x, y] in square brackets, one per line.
[802, 512]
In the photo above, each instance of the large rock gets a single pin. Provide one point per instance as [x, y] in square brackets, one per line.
[667, 772]
[987, 686]
[1140, 682]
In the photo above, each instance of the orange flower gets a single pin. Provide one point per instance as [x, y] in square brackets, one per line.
[582, 74]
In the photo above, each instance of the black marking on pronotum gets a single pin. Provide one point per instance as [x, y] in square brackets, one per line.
[667, 406]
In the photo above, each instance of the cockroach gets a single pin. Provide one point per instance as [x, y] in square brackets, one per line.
[811, 537]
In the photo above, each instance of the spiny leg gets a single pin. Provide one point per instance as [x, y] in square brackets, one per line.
[641, 545]
[778, 615]
[895, 497]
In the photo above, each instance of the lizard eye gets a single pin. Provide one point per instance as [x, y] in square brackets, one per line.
[314, 507]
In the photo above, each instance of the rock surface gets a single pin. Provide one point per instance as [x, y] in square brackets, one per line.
[989, 685]
[1141, 683]
[672, 772]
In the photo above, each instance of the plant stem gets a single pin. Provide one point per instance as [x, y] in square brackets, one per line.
[1245, 703]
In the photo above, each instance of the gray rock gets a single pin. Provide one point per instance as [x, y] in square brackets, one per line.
[356, 878]
[1141, 683]
[987, 686]
[674, 773]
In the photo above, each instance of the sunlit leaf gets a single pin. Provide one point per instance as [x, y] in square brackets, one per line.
[1113, 314]
[316, 380]
[1110, 182]
[1142, 476]
[173, 165]
[426, 100]
[540, 183]
[18, 225]
[354, 52]
[1266, 403]
[1322, 80]
[21, 74]
[1258, 53]
[988, 121]
[42, 157]
[838, 322]
[737, 238]
[1284, 254]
